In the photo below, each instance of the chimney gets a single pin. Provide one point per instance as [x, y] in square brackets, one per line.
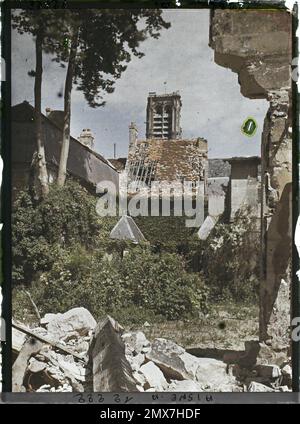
[48, 111]
[87, 138]
[133, 133]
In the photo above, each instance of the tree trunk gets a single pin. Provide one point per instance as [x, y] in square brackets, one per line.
[62, 171]
[42, 173]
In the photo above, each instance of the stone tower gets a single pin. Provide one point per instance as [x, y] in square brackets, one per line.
[163, 116]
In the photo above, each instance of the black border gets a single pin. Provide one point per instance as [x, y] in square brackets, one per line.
[6, 7]
[295, 293]
[6, 199]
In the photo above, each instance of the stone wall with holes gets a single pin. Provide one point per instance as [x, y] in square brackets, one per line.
[257, 45]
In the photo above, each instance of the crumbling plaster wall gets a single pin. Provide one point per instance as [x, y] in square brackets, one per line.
[257, 45]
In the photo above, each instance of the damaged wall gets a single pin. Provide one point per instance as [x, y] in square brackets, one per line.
[257, 45]
[245, 185]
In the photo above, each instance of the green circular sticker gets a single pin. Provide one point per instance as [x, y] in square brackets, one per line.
[249, 127]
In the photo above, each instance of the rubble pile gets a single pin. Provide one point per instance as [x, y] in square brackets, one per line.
[73, 353]
[62, 365]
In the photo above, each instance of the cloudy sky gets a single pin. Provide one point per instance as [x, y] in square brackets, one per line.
[212, 106]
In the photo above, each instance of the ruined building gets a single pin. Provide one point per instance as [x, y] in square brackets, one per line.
[84, 164]
[261, 54]
[164, 156]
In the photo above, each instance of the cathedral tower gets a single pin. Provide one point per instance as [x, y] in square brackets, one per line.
[163, 116]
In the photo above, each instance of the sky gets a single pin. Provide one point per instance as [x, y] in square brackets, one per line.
[212, 105]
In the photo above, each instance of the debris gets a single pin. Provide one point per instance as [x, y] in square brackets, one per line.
[286, 375]
[47, 318]
[212, 374]
[268, 371]
[77, 320]
[36, 366]
[20, 365]
[18, 339]
[135, 341]
[153, 376]
[106, 358]
[258, 387]
[136, 361]
[45, 340]
[172, 359]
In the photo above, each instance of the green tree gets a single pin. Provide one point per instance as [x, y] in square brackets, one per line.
[99, 44]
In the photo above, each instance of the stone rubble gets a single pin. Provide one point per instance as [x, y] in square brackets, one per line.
[160, 365]
[50, 370]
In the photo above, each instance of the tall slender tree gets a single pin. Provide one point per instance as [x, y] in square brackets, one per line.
[33, 22]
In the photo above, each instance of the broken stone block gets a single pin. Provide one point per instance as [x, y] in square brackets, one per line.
[212, 374]
[135, 341]
[67, 364]
[64, 388]
[153, 376]
[77, 319]
[30, 347]
[56, 373]
[82, 347]
[18, 339]
[258, 387]
[184, 386]
[136, 360]
[111, 369]
[287, 375]
[284, 389]
[172, 359]
[257, 353]
[39, 331]
[36, 366]
[44, 388]
[47, 318]
[268, 371]
[139, 378]
[287, 370]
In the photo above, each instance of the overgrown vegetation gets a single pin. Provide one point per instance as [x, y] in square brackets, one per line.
[63, 256]
[230, 259]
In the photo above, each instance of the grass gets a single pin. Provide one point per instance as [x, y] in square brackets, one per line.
[228, 326]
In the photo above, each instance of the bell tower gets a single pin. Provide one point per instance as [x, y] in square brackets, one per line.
[163, 116]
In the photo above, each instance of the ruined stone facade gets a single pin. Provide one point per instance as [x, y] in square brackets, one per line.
[257, 45]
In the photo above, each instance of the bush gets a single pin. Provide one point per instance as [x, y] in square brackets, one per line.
[139, 287]
[230, 260]
[41, 232]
